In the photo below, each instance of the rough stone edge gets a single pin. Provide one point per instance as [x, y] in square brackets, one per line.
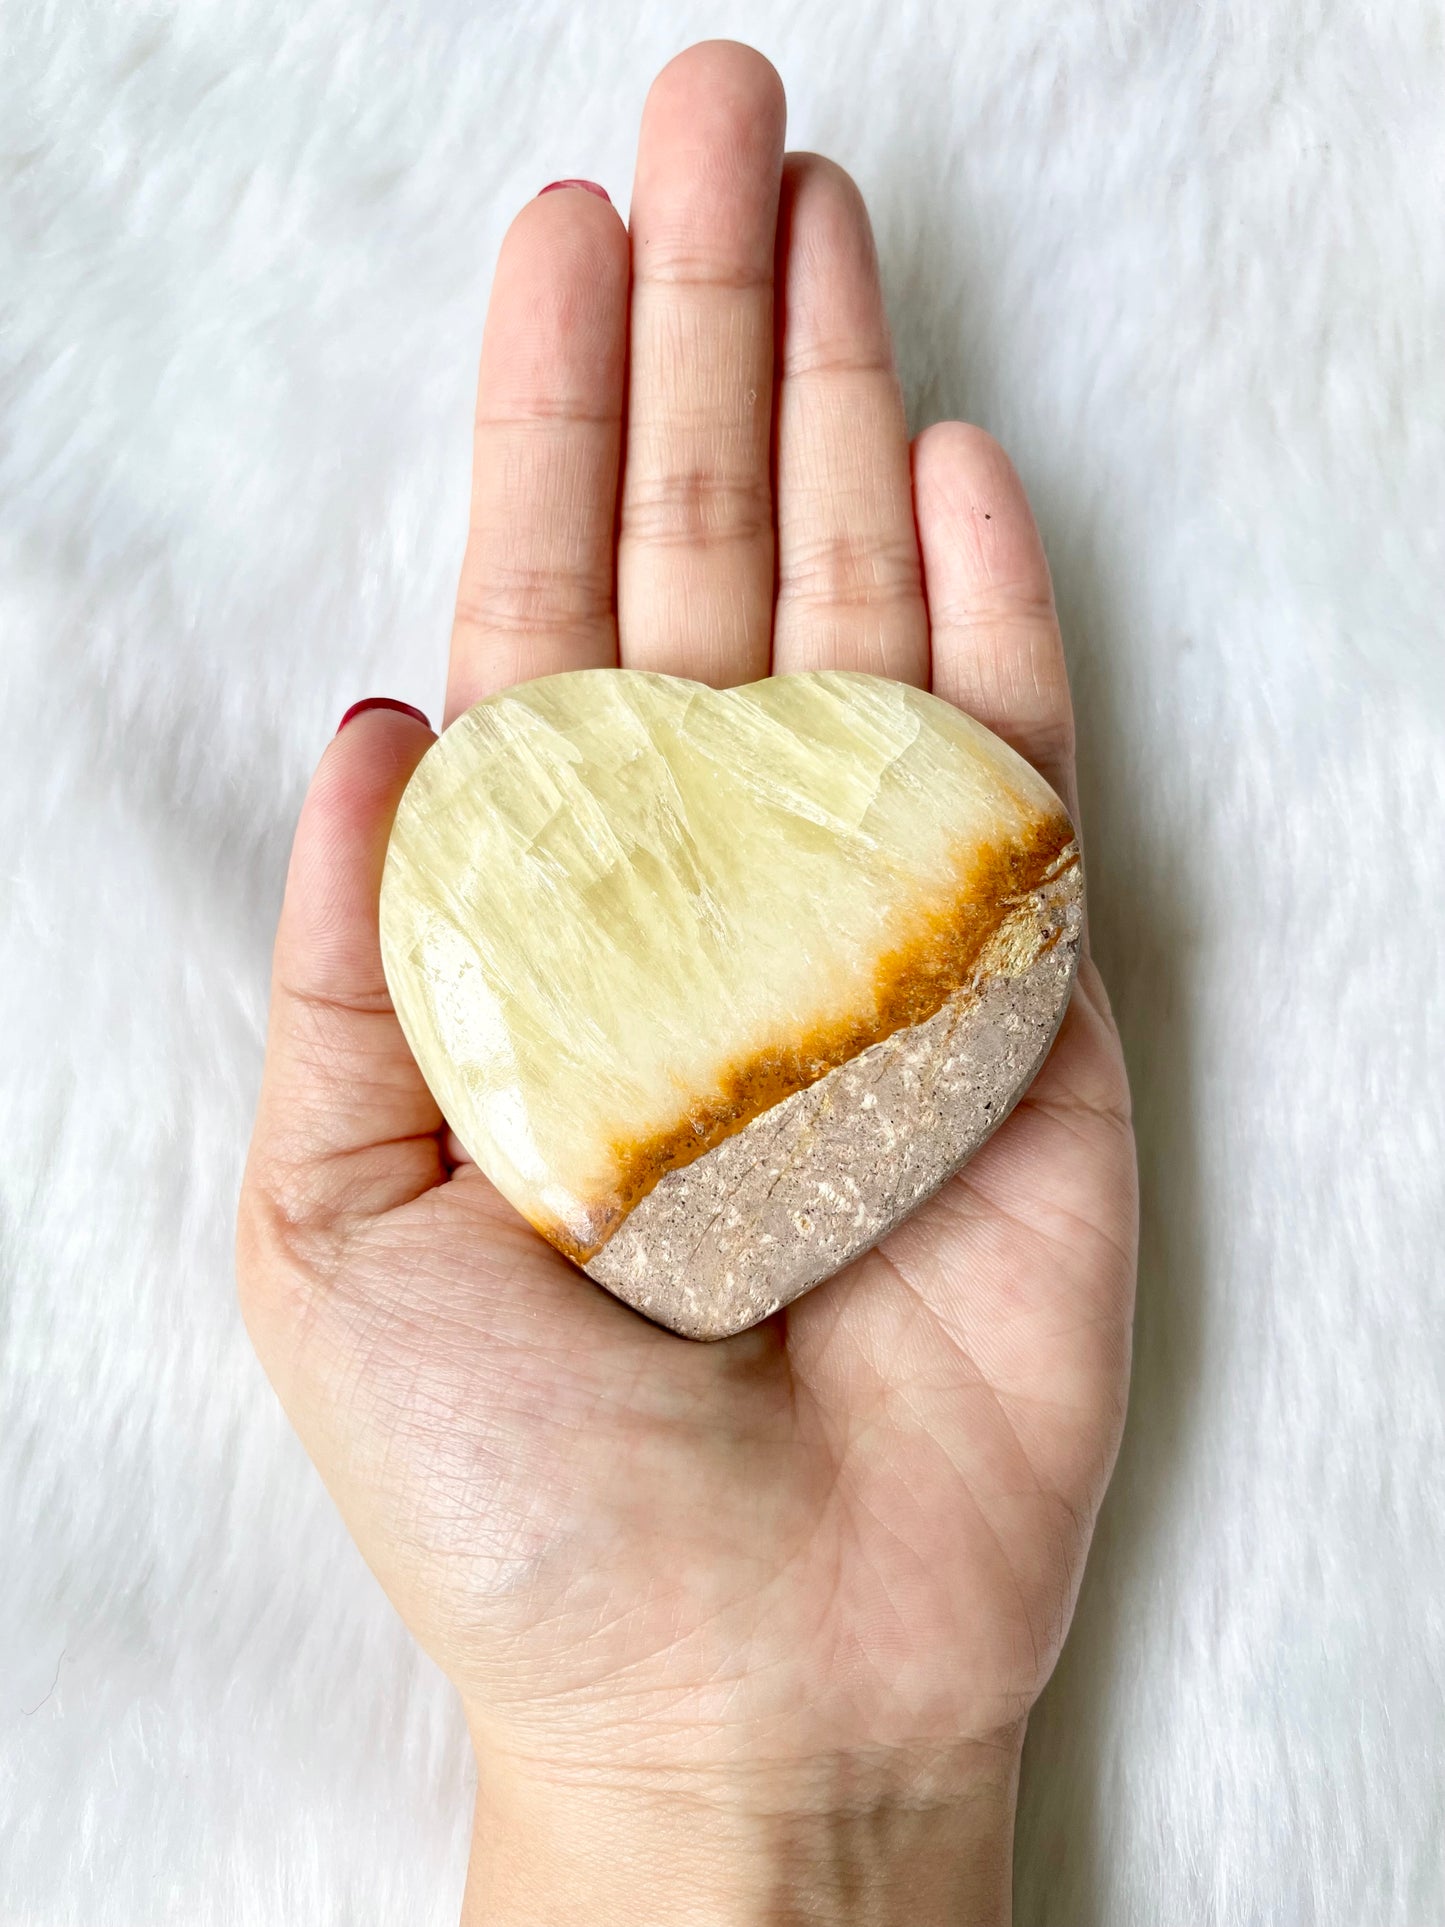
[817, 1180]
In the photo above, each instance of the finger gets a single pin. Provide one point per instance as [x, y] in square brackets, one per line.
[345, 1125]
[536, 590]
[850, 591]
[695, 551]
[997, 652]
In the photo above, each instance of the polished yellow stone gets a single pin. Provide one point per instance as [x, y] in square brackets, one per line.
[623, 914]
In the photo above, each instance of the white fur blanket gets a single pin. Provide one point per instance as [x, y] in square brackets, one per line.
[1186, 261]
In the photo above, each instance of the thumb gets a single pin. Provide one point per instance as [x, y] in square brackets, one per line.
[345, 1126]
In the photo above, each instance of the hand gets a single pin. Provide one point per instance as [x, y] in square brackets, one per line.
[749, 1630]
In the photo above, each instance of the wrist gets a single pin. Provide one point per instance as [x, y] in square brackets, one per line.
[843, 1845]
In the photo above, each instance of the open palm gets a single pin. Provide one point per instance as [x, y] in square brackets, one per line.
[853, 1534]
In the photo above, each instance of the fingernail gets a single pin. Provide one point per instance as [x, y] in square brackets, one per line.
[380, 702]
[591, 187]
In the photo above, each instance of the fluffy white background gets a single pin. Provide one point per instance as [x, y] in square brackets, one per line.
[1186, 262]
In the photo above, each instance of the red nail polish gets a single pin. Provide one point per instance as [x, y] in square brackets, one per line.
[381, 702]
[590, 186]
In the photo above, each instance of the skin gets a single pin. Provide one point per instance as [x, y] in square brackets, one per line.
[746, 1631]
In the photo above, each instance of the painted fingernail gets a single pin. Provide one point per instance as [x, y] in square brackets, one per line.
[590, 186]
[380, 702]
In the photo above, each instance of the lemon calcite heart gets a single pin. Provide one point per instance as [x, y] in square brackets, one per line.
[717, 986]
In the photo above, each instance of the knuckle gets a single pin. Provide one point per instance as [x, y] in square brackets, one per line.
[698, 507]
[1021, 612]
[685, 260]
[531, 599]
[848, 569]
[1050, 738]
[286, 1249]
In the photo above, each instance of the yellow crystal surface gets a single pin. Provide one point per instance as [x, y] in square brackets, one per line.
[622, 914]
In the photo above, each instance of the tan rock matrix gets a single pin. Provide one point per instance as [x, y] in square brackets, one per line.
[717, 986]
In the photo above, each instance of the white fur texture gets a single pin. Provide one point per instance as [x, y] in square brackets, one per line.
[1186, 261]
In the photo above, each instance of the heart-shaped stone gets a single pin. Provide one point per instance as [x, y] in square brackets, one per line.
[717, 986]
